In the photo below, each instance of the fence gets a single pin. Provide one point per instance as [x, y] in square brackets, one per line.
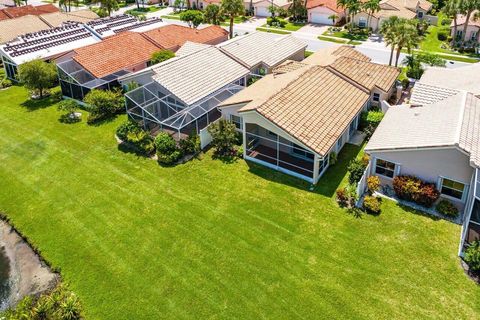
[362, 184]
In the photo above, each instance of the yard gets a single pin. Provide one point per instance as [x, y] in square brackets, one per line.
[214, 240]
[290, 26]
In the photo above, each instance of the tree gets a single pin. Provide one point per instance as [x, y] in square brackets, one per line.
[224, 136]
[211, 14]
[451, 9]
[431, 59]
[272, 9]
[334, 18]
[37, 75]
[193, 17]
[370, 7]
[103, 104]
[406, 36]
[232, 9]
[389, 33]
[467, 7]
[109, 5]
[414, 66]
[352, 7]
[161, 56]
[297, 10]
[167, 151]
[69, 106]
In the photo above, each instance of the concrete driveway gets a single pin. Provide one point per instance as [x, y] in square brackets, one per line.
[313, 29]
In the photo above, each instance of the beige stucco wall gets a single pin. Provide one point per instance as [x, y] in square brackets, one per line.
[428, 164]
[326, 11]
[373, 21]
[470, 31]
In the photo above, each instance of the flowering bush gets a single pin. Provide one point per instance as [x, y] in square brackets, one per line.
[413, 189]
[373, 184]
[371, 204]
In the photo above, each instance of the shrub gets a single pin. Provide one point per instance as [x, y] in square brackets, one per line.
[224, 137]
[103, 104]
[371, 204]
[69, 106]
[447, 208]
[472, 256]
[191, 144]
[356, 167]
[192, 17]
[373, 184]
[442, 36]
[413, 189]
[56, 94]
[5, 83]
[130, 132]
[346, 196]
[369, 121]
[333, 158]
[276, 22]
[167, 151]
[161, 56]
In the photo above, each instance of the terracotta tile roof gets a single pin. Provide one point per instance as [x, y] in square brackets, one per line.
[172, 36]
[16, 12]
[324, 57]
[315, 108]
[472, 21]
[115, 53]
[367, 74]
[12, 28]
[3, 15]
[330, 4]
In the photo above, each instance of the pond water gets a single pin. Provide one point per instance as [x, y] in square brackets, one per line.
[4, 279]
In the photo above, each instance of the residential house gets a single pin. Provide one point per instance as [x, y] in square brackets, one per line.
[20, 11]
[408, 9]
[293, 119]
[261, 8]
[436, 138]
[12, 28]
[183, 92]
[321, 12]
[473, 28]
[98, 66]
[50, 41]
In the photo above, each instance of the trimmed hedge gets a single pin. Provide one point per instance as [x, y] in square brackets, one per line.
[447, 208]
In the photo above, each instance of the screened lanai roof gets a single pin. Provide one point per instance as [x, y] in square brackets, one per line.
[84, 78]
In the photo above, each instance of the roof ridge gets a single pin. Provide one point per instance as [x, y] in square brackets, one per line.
[346, 78]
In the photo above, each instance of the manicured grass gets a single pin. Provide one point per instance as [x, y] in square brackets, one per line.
[308, 53]
[214, 240]
[272, 30]
[290, 26]
[143, 10]
[173, 17]
[354, 43]
[343, 34]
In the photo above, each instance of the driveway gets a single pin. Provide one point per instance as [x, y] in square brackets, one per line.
[313, 29]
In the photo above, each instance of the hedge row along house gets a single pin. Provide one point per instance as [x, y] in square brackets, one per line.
[100, 65]
[294, 119]
[55, 35]
[181, 95]
[437, 139]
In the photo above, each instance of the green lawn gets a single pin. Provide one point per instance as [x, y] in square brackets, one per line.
[343, 34]
[272, 30]
[290, 26]
[330, 39]
[142, 10]
[214, 240]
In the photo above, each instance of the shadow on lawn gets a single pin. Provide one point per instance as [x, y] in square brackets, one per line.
[417, 212]
[32, 105]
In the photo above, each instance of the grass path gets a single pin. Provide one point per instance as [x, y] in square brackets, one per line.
[215, 240]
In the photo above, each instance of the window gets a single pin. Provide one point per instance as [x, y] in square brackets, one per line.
[452, 188]
[301, 152]
[376, 97]
[459, 34]
[473, 36]
[420, 14]
[362, 22]
[237, 121]
[385, 168]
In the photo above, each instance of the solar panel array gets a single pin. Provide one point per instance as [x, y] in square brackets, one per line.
[105, 25]
[139, 24]
[37, 41]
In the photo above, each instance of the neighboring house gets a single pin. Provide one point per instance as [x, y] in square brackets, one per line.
[436, 138]
[98, 66]
[293, 119]
[473, 28]
[321, 11]
[183, 92]
[11, 28]
[408, 9]
[260, 52]
[192, 82]
[261, 7]
[16, 12]
[38, 41]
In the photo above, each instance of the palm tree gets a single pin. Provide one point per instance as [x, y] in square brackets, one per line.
[344, 4]
[406, 36]
[334, 18]
[467, 7]
[370, 7]
[388, 31]
[451, 9]
[232, 9]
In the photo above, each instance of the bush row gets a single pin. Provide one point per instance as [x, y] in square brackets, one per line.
[413, 189]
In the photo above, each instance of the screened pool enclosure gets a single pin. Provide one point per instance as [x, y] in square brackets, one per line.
[76, 82]
[156, 111]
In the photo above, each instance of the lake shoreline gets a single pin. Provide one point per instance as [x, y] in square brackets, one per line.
[29, 274]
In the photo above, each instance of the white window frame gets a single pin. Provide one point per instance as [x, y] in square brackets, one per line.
[235, 122]
[464, 192]
[396, 169]
[362, 22]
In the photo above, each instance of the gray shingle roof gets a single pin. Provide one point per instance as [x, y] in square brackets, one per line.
[423, 94]
[470, 131]
[193, 77]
